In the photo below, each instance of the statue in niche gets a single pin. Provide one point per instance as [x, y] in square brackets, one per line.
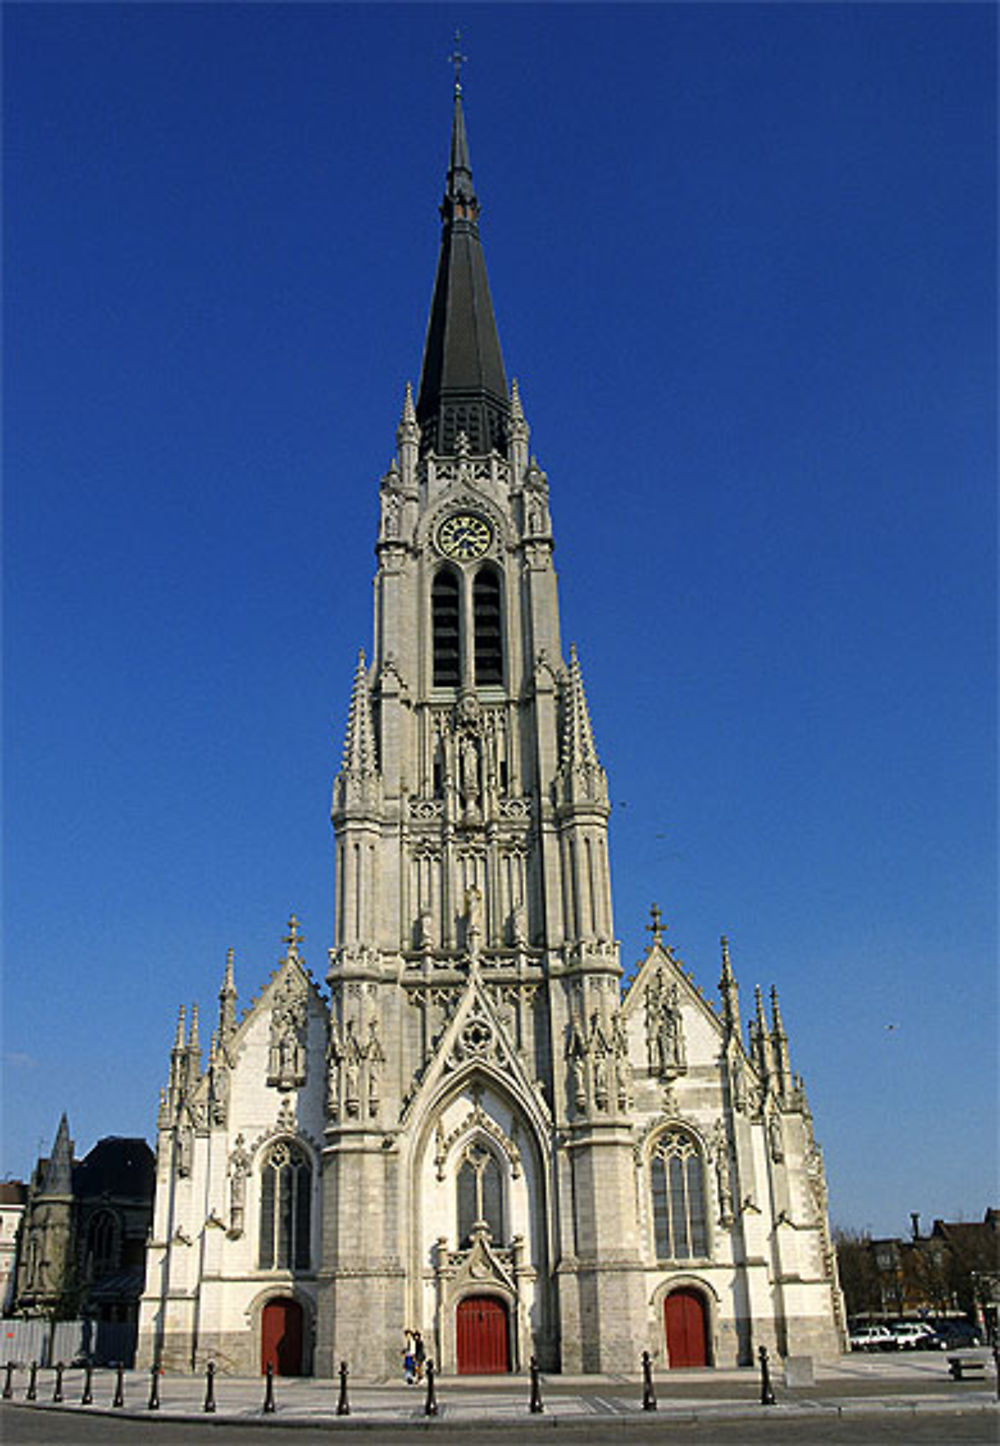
[601, 1082]
[239, 1166]
[392, 506]
[184, 1146]
[287, 1053]
[473, 922]
[623, 1065]
[519, 926]
[425, 930]
[665, 1029]
[774, 1139]
[375, 1059]
[333, 1077]
[469, 772]
[723, 1173]
[738, 1083]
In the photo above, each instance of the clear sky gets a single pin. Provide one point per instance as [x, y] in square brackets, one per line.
[743, 261]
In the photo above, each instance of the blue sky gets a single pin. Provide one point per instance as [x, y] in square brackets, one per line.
[743, 260]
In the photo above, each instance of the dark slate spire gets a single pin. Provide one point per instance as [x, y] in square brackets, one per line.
[462, 384]
[59, 1171]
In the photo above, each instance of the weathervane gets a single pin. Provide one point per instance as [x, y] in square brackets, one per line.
[457, 59]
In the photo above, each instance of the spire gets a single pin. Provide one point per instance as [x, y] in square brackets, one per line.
[760, 1040]
[59, 1171]
[359, 743]
[463, 387]
[227, 1000]
[578, 736]
[779, 1046]
[729, 993]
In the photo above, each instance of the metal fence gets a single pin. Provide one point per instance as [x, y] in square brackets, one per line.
[105, 1343]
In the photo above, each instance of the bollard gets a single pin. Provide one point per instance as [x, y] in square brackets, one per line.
[8, 1385]
[87, 1399]
[268, 1407]
[57, 1391]
[153, 1404]
[430, 1404]
[32, 1391]
[209, 1406]
[535, 1404]
[766, 1393]
[119, 1400]
[343, 1409]
[996, 1365]
[648, 1394]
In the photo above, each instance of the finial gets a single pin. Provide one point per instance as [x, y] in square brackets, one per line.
[193, 1037]
[293, 937]
[516, 410]
[655, 926]
[179, 1036]
[457, 59]
[726, 967]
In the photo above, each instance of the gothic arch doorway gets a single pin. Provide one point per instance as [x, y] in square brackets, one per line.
[482, 1336]
[281, 1337]
[685, 1318]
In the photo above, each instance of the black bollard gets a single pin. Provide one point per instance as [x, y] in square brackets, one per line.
[996, 1365]
[57, 1390]
[343, 1409]
[153, 1404]
[87, 1399]
[8, 1385]
[766, 1393]
[32, 1392]
[535, 1404]
[648, 1394]
[268, 1407]
[119, 1399]
[430, 1404]
[209, 1406]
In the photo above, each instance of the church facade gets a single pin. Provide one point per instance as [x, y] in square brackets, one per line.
[474, 1132]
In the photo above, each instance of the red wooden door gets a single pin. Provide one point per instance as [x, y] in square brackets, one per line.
[481, 1332]
[281, 1337]
[687, 1329]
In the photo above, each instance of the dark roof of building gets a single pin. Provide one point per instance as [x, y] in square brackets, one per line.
[463, 387]
[116, 1166]
[13, 1192]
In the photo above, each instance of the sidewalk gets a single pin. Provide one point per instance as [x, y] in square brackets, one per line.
[912, 1383]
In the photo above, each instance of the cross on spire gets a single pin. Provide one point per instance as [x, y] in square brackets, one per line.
[294, 935]
[655, 927]
[457, 59]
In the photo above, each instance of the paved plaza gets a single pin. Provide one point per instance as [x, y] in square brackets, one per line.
[899, 1385]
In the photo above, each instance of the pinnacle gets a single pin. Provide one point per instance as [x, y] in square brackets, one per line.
[359, 743]
[578, 736]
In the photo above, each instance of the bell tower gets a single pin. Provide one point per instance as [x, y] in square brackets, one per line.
[470, 818]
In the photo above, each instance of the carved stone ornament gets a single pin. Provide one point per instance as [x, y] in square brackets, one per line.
[239, 1166]
[287, 1055]
[476, 1119]
[722, 1156]
[665, 1028]
[775, 1140]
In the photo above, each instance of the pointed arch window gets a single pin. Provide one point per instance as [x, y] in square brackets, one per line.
[102, 1244]
[480, 1193]
[285, 1208]
[677, 1178]
[488, 626]
[445, 610]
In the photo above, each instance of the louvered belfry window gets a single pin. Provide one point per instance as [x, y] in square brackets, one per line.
[488, 626]
[447, 637]
[285, 1203]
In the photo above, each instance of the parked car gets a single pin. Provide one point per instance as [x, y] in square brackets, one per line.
[911, 1336]
[872, 1338]
[956, 1335]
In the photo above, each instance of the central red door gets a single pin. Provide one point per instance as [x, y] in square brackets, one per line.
[281, 1338]
[687, 1329]
[481, 1336]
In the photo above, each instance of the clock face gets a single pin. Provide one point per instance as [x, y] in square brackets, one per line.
[464, 535]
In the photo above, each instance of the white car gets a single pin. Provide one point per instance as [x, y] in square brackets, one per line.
[873, 1338]
[911, 1337]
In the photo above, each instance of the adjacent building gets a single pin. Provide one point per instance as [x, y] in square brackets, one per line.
[467, 1127]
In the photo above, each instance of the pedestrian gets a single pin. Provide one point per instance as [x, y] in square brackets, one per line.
[419, 1354]
[409, 1364]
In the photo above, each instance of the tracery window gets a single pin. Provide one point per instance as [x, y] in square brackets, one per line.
[445, 608]
[285, 1208]
[102, 1244]
[480, 1193]
[487, 629]
[680, 1227]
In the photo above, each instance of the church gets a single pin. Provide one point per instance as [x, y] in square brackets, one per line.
[468, 1128]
